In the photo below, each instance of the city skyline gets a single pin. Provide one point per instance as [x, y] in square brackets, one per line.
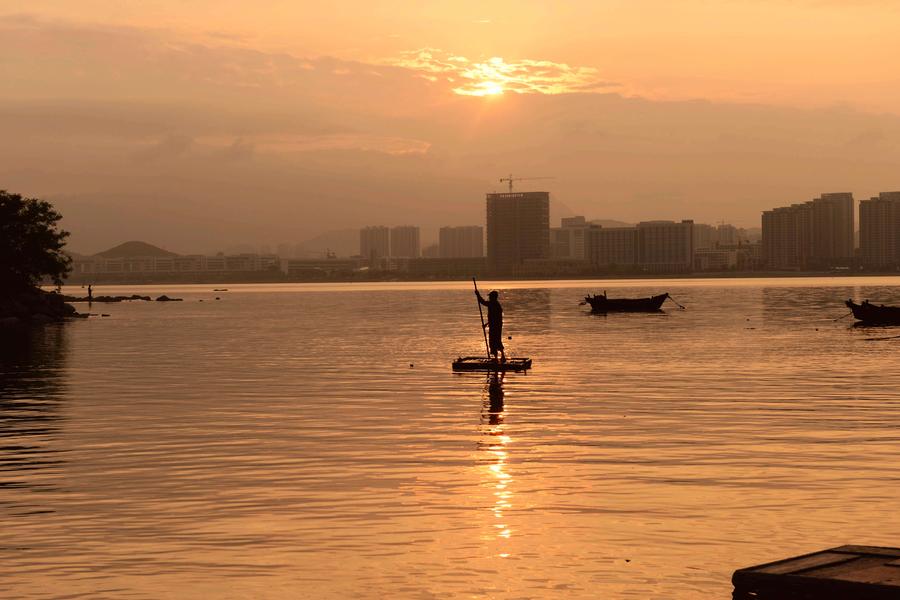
[815, 235]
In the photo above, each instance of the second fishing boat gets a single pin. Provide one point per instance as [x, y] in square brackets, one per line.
[601, 303]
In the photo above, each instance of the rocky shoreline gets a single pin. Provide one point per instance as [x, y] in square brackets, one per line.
[105, 298]
[108, 299]
[34, 306]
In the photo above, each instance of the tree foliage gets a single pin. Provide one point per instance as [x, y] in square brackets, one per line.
[31, 242]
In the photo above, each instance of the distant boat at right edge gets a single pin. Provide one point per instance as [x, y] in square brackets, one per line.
[875, 314]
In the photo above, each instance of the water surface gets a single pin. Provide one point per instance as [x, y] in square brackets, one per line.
[310, 441]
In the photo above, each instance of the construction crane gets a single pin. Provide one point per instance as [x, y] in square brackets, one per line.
[510, 179]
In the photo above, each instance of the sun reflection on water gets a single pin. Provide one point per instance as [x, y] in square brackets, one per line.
[496, 447]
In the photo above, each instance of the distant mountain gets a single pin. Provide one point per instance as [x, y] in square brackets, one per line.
[343, 242]
[611, 223]
[134, 250]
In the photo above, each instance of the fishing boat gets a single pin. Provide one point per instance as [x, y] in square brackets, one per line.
[875, 314]
[601, 303]
[480, 363]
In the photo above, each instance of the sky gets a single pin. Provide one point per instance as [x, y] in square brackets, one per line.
[198, 125]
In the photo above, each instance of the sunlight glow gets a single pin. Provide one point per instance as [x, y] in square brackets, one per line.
[484, 88]
[495, 76]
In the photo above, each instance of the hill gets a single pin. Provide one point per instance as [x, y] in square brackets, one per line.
[134, 250]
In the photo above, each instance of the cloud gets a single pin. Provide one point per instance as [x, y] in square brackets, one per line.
[196, 145]
[496, 75]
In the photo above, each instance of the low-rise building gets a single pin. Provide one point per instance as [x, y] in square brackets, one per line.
[473, 266]
[174, 264]
[298, 268]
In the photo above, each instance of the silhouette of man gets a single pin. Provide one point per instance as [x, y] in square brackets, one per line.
[90, 294]
[495, 324]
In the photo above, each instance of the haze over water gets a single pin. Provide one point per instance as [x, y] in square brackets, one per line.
[309, 441]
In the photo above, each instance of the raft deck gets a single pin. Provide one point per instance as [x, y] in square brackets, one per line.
[845, 572]
[480, 363]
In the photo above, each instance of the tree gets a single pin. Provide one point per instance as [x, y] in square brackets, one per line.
[31, 243]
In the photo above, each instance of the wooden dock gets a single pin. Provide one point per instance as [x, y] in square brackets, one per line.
[845, 573]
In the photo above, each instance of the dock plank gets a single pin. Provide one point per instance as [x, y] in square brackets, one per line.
[845, 573]
[873, 550]
[795, 565]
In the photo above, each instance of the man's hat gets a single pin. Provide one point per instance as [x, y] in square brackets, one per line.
[493, 294]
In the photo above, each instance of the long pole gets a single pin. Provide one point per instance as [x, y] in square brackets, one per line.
[481, 314]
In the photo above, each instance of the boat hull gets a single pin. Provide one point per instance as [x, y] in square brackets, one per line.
[602, 304]
[480, 363]
[874, 314]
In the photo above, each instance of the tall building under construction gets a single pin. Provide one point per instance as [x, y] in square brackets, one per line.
[518, 229]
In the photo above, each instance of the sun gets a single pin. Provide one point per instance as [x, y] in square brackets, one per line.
[481, 88]
[487, 88]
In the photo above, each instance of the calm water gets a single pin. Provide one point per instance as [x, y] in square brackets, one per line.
[312, 442]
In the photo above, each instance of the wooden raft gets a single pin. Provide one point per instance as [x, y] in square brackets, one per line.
[480, 363]
[845, 573]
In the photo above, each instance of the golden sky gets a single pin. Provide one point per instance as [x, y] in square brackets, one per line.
[693, 109]
[803, 52]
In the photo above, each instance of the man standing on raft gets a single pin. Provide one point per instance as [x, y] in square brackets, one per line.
[495, 323]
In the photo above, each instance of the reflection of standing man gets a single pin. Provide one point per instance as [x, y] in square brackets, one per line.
[495, 323]
[495, 398]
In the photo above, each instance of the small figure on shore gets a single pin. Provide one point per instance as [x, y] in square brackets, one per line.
[90, 294]
[495, 324]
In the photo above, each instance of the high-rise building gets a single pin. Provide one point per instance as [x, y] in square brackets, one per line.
[405, 242]
[705, 236]
[518, 229]
[461, 242]
[815, 234]
[784, 237]
[665, 246]
[568, 241]
[727, 235]
[374, 243]
[832, 229]
[879, 231]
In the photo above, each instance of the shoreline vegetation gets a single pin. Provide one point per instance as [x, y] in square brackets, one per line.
[31, 251]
